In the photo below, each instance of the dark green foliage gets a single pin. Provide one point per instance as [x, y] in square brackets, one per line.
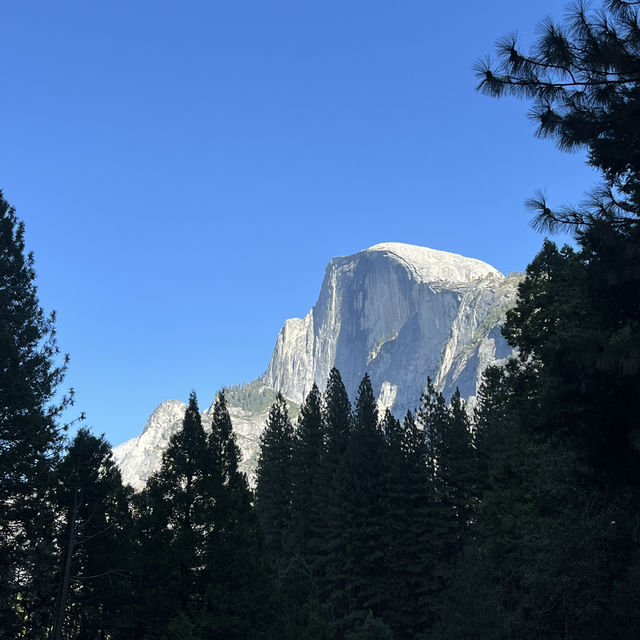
[560, 322]
[409, 499]
[226, 484]
[29, 437]
[201, 568]
[254, 396]
[584, 82]
[337, 428]
[554, 545]
[239, 588]
[458, 466]
[172, 528]
[451, 471]
[274, 489]
[308, 451]
[371, 629]
[358, 581]
[337, 420]
[181, 628]
[546, 546]
[94, 543]
[582, 78]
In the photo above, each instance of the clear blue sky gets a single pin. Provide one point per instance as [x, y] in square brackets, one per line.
[186, 170]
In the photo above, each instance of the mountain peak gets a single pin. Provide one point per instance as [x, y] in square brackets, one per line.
[166, 411]
[431, 265]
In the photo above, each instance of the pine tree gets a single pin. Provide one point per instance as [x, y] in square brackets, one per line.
[396, 514]
[273, 479]
[308, 452]
[409, 523]
[94, 542]
[336, 418]
[337, 421]
[583, 80]
[241, 599]
[227, 485]
[29, 436]
[359, 572]
[582, 77]
[452, 487]
[460, 473]
[172, 527]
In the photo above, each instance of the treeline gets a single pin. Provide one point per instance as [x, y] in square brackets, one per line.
[364, 516]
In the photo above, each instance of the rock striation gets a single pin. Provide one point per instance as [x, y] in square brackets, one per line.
[399, 312]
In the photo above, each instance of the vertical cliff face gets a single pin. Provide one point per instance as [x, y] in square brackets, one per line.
[402, 314]
[398, 312]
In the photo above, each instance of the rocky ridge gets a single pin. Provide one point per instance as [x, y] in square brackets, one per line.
[399, 312]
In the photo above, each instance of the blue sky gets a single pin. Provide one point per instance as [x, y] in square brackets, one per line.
[186, 170]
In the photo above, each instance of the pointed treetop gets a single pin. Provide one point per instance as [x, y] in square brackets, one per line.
[366, 410]
[222, 440]
[337, 414]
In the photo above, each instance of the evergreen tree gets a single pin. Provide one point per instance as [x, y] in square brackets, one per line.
[458, 466]
[583, 80]
[409, 522]
[337, 421]
[396, 514]
[582, 77]
[308, 452]
[226, 484]
[337, 428]
[273, 479]
[29, 437]
[172, 527]
[452, 477]
[545, 542]
[94, 543]
[241, 600]
[359, 573]
[569, 402]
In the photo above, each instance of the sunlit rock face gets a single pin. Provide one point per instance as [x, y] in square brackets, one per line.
[402, 314]
[139, 457]
[398, 312]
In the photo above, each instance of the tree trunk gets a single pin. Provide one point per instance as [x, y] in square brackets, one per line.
[65, 579]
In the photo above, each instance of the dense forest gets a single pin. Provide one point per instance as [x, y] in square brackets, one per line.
[517, 520]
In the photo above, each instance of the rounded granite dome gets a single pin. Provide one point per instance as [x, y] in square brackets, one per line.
[430, 265]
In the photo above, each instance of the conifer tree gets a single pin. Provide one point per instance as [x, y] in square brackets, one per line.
[448, 444]
[409, 514]
[273, 479]
[568, 404]
[29, 432]
[460, 473]
[337, 421]
[358, 580]
[337, 428]
[94, 543]
[227, 485]
[396, 514]
[582, 78]
[308, 452]
[172, 527]
[240, 591]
